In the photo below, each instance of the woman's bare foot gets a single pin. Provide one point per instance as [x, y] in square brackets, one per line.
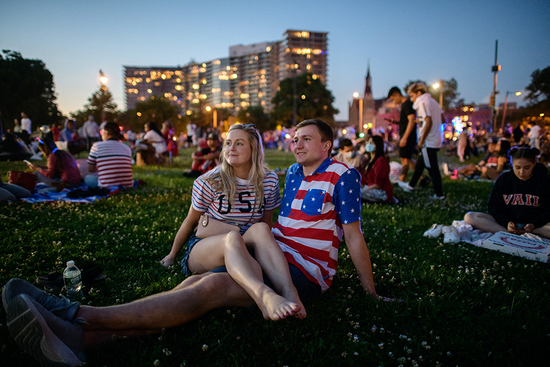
[293, 296]
[275, 307]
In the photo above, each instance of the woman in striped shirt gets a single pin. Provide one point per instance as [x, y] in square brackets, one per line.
[243, 192]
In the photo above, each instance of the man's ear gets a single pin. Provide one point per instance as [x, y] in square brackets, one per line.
[326, 145]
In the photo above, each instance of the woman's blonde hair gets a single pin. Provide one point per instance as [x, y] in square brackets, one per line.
[226, 181]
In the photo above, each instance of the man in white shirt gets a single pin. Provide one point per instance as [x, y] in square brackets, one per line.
[430, 117]
[91, 131]
[26, 123]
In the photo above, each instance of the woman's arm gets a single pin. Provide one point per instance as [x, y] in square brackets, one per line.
[268, 218]
[184, 232]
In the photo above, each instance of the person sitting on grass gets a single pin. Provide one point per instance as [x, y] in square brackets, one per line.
[61, 171]
[111, 159]
[321, 204]
[491, 173]
[520, 198]
[489, 160]
[348, 154]
[206, 158]
[375, 181]
[242, 176]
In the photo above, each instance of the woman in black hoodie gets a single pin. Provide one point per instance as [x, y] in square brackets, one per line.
[520, 199]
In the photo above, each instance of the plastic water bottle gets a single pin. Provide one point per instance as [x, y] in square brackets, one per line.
[73, 280]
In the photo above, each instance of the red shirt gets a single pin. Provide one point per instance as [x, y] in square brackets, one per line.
[61, 164]
[379, 174]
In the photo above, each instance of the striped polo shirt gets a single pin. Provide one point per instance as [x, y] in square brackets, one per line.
[113, 160]
[205, 198]
[309, 228]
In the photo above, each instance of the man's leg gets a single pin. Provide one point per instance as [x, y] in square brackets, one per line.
[434, 171]
[193, 298]
[418, 170]
[405, 164]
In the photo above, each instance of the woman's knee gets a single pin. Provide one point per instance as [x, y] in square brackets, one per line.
[233, 240]
[472, 217]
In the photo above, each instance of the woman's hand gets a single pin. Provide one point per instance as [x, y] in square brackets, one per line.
[31, 166]
[167, 261]
[528, 228]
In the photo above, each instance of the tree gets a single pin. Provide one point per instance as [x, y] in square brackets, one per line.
[101, 100]
[155, 109]
[539, 86]
[313, 100]
[26, 86]
[256, 115]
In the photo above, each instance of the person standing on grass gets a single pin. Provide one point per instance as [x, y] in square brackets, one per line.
[91, 131]
[321, 202]
[407, 131]
[430, 117]
[520, 199]
[242, 176]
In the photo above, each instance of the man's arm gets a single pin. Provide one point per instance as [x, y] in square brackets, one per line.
[410, 128]
[360, 256]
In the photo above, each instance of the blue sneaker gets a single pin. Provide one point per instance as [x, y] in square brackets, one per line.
[49, 339]
[60, 306]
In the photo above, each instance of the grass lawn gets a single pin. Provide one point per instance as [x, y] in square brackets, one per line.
[462, 305]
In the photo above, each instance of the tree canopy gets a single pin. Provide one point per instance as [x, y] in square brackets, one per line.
[26, 86]
[101, 100]
[256, 115]
[539, 86]
[313, 100]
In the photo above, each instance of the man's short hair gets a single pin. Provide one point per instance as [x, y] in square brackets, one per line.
[394, 90]
[417, 87]
[325, 130]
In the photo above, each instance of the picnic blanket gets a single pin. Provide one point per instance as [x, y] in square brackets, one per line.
[43, 193]
[519, 245]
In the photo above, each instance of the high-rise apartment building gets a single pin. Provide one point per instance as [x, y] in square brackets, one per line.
[250, 76]
[143, 82]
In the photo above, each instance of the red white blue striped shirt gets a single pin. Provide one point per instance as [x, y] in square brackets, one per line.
[114, 163]
[309, 228]
[216, 204]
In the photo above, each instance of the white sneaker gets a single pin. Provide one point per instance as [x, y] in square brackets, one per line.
[450, 235]
[435, 197]
[405, 186]
[434, 231]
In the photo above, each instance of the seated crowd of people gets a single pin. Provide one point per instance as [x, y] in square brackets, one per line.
[231, 216]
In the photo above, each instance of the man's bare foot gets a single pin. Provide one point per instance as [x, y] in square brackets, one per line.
[276, 307]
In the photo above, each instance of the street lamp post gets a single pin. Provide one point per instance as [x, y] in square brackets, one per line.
[356, 96]
[505, 107]
[437, 86]
[102, 80]
[214, 115]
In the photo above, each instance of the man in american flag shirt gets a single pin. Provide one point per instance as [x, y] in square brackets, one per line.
[321, 203]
